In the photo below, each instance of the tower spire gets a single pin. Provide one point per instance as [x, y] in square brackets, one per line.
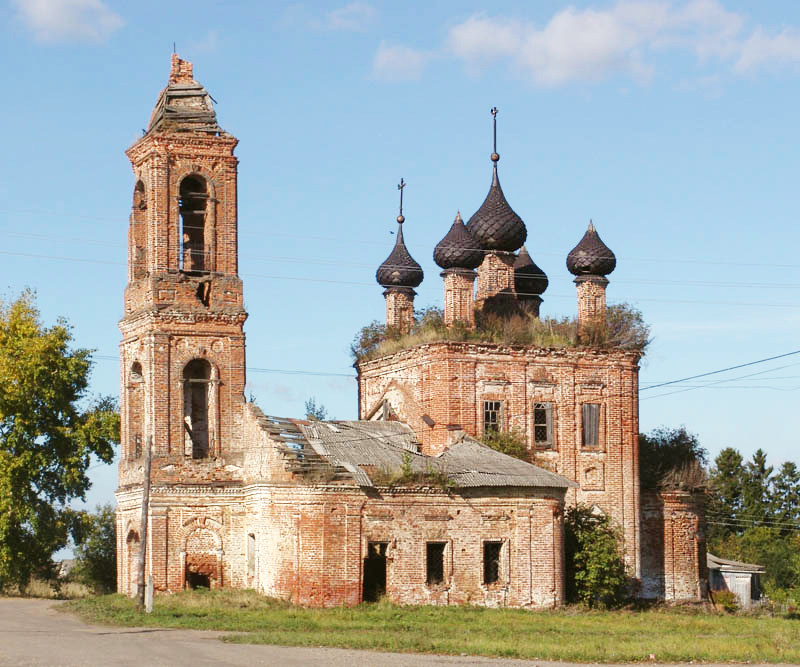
[401, 218]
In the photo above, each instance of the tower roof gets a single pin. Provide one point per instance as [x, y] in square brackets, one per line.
[591, 257]
[399, 269]
[184, 105]
[529, 279]
[495, 225]
[458, 249]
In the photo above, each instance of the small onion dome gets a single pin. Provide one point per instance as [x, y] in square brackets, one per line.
[591, 257]
[495, 225]
[399, 269]
[529, 279]
[458, 249]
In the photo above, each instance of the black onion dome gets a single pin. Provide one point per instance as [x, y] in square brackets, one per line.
[591, 257]
[458, 249]
[495, 225]
[399, 269]
[529, 279]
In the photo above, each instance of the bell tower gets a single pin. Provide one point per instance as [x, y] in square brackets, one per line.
[183, 348]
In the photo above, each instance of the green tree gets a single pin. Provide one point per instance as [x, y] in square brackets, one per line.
[786, 496]
[726, 490]
[669, 456]
[757, 488]
[595, 571]
[508, 442]
[48, 434]
[96, 549]
[314, 412]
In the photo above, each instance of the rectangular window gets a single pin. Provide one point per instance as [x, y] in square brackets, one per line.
[251, 555]
[434, 560]
[492, 416]
[543, 425]
[491, 562]
[590, 425]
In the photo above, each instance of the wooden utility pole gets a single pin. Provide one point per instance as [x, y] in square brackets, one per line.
[143, 524]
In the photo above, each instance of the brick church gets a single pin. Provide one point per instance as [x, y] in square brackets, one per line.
[405, 502]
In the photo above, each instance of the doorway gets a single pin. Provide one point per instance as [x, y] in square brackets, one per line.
[375, 571]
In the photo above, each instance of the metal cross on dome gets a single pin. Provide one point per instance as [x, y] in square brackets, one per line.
[400, 187]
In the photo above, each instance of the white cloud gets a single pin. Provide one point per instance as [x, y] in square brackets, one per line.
[592, 44]
[353, 17]
[69, 20]
[398, 63]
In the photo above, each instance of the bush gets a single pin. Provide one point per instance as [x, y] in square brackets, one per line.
[595, 571]
[96, 550]
[726, 600]
[508, 442]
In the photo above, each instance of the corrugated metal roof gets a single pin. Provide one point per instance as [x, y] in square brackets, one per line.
[374, 451]
[717, 563]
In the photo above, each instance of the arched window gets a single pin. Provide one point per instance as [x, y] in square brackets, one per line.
[135, 410]
[138, 239]
[197, 395]
[193, 208]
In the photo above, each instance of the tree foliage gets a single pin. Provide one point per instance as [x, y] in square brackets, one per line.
[669, 458]
[754, 516]
[315, 412]
[96, 549]
[595, 571]
[508, 442]
[49, 431]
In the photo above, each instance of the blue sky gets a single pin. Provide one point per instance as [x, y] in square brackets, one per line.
[673, 125]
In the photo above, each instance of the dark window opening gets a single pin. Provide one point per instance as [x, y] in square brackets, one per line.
[197, 580]
[192, 205]
[204, 292]
[590, 425]
[492, 416]
[434, 562]
[543, 425]
[491, 562]
[375, 572]
[139, 232]
[137, 446]
[197, 383]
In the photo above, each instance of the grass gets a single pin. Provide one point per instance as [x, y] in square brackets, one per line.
[506, 324]
[669, 634]
[38, 588]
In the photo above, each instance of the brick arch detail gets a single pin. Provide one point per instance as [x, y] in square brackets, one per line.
[202, 550]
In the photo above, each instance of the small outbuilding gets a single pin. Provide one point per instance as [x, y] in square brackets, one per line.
[743, 579]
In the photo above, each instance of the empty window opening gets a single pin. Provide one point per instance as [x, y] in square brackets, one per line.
[491, 562]
[375, 572]
[135, 410]
[138, 238]
[543, 425]
[251, 555]
[196, 389]
[192, 204]
[492, 416]
[204, 292]
[197, 580]
[590, 425]
[434, 562]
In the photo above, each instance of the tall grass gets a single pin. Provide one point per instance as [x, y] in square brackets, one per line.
[623, 328]
[671, 635]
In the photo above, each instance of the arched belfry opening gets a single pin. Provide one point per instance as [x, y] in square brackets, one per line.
[138, 241]
[199, 401]
[193, 204]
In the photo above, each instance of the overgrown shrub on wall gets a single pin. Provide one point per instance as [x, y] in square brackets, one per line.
[595, 571]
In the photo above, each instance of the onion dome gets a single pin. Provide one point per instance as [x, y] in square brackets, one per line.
[458, 249]
[399, 269]
[529, 279]
[495, 225]
[591, 257]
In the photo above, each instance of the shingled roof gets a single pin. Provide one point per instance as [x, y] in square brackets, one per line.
[184, 105]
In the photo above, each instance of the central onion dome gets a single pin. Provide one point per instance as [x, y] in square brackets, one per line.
[494, 224]
[591, 257]
[529, 279]
[458, 249]
[400, 269]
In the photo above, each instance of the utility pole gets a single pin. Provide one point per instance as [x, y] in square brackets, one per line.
[143, 524]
